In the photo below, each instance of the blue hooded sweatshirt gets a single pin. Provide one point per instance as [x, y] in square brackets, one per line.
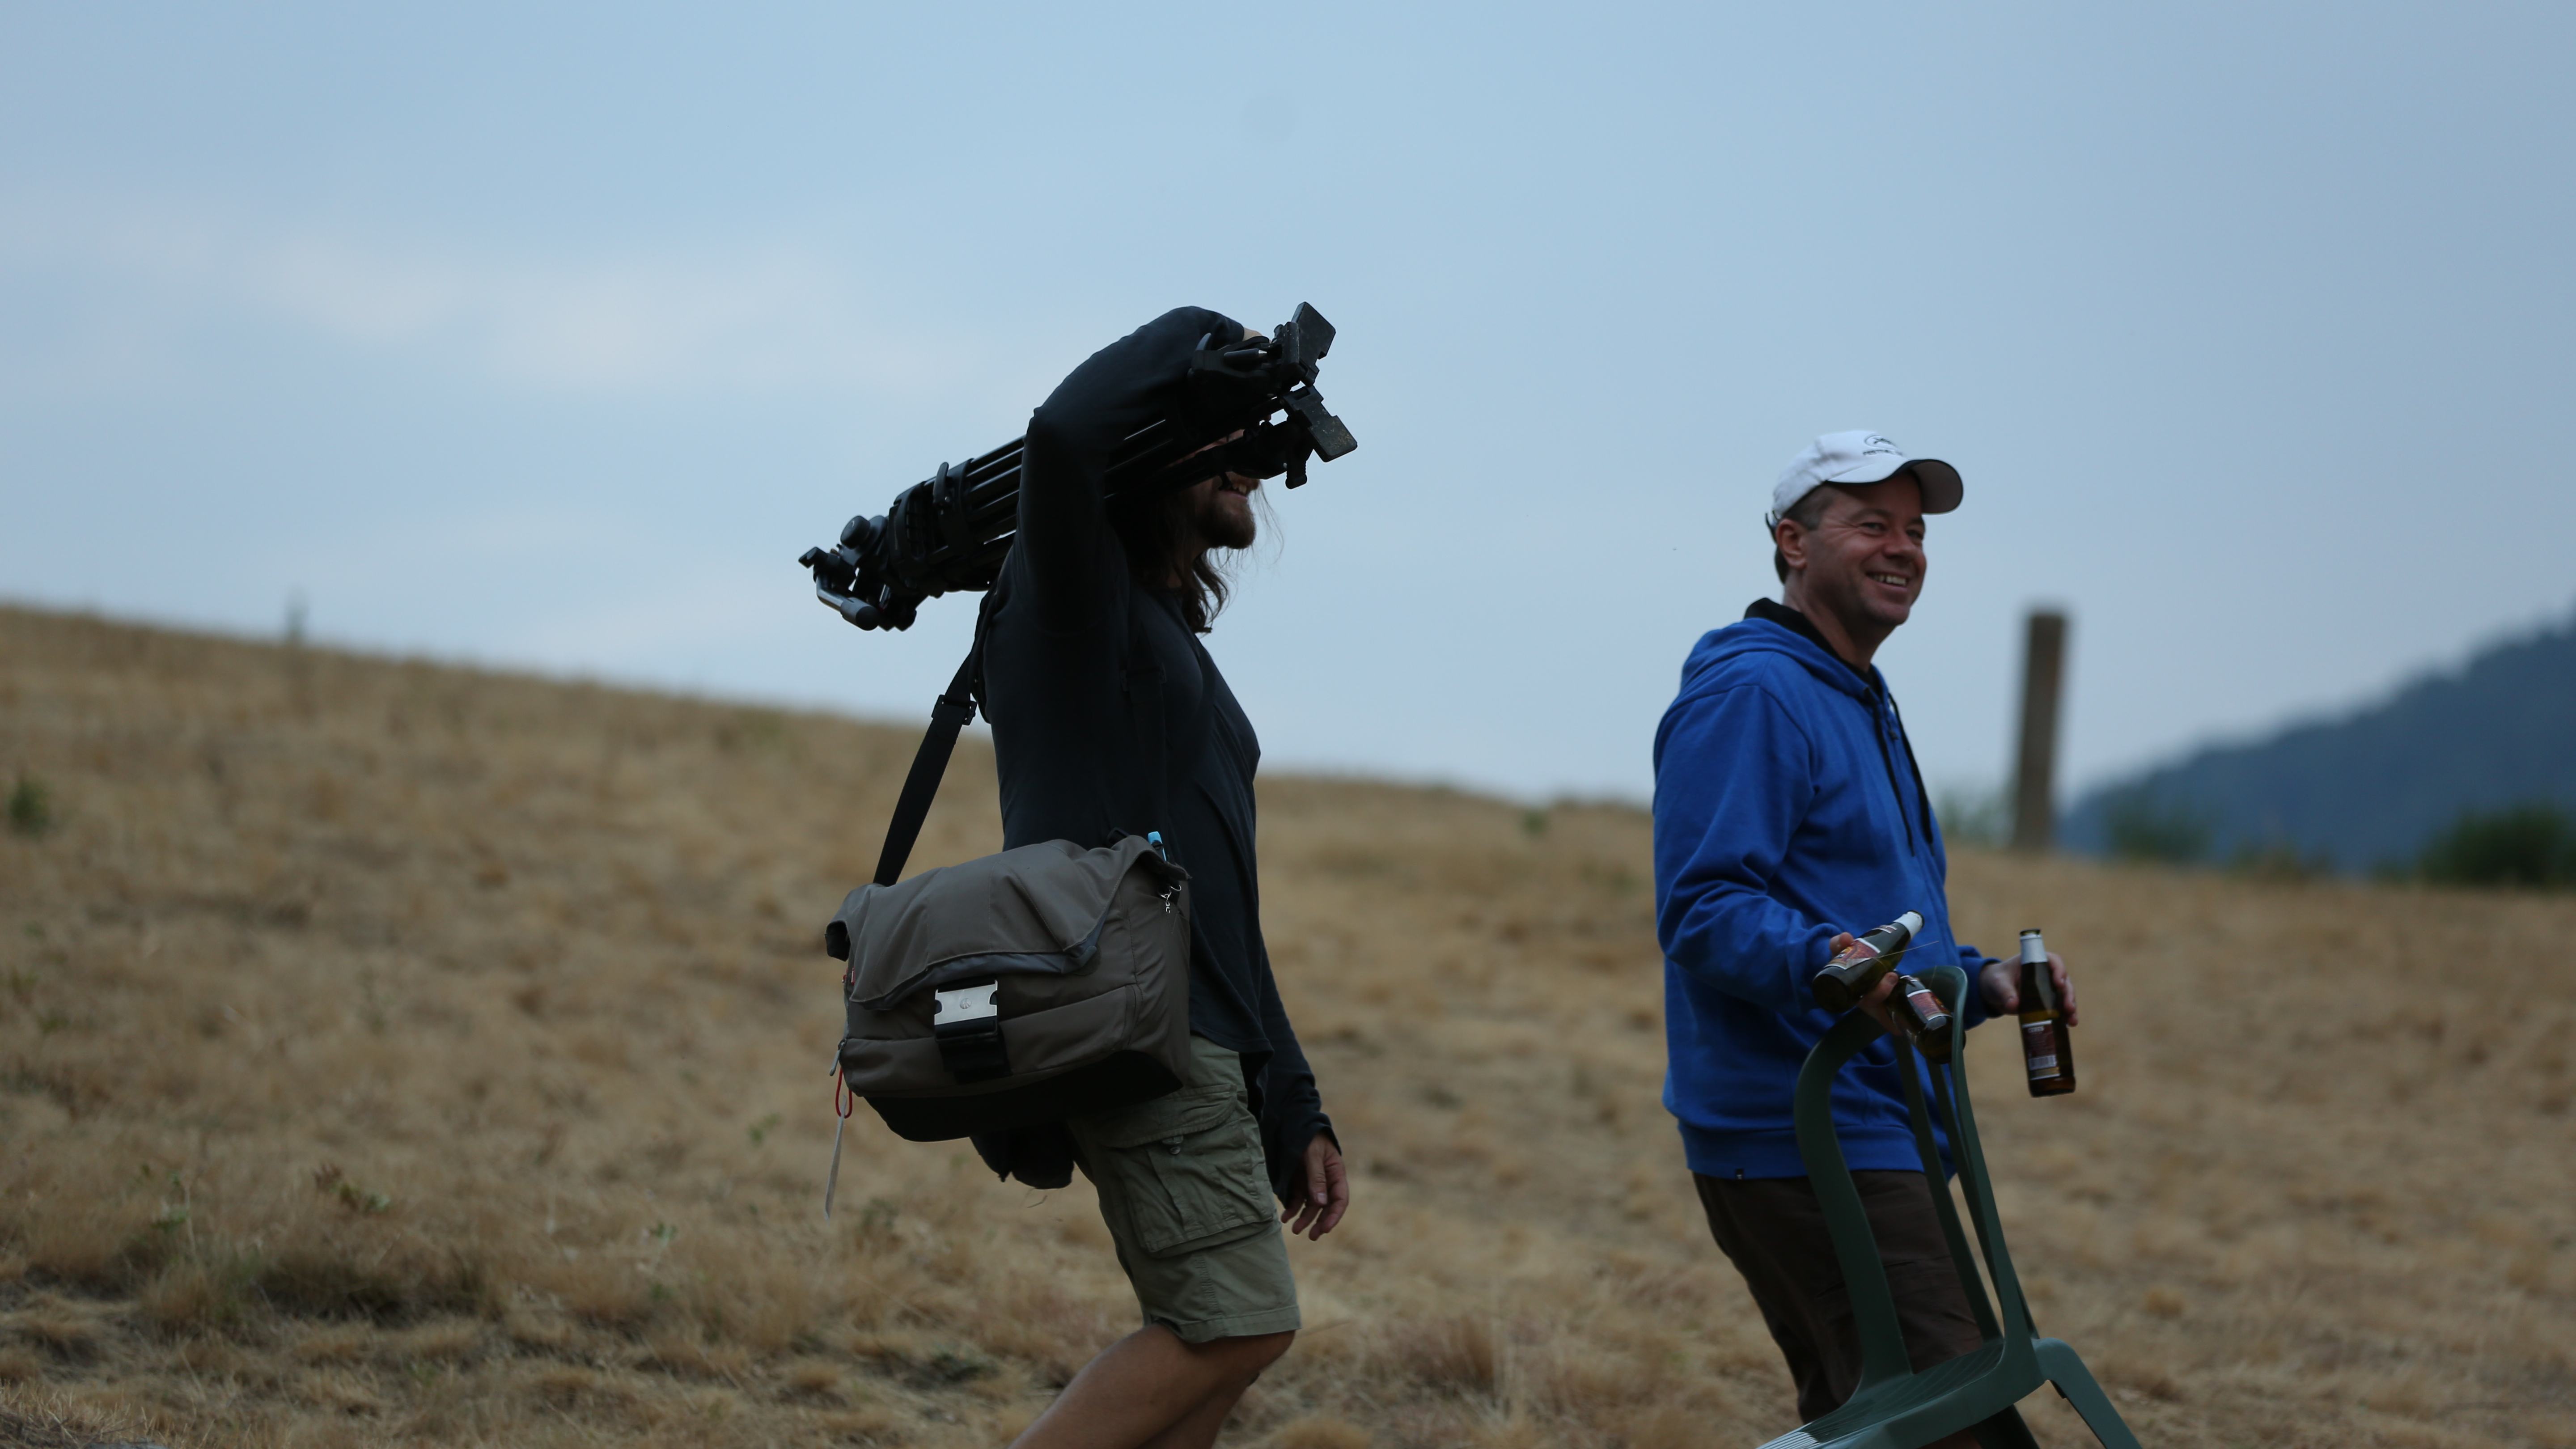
[1787, 808]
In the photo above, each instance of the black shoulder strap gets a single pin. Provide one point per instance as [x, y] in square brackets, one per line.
[955, 707]
[953, 711]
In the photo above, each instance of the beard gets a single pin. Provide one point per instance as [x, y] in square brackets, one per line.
[1223, 519]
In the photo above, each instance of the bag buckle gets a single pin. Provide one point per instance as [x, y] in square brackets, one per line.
[967, 1022]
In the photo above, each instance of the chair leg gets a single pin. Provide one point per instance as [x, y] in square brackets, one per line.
[2067, 1371]
[2005, 1431]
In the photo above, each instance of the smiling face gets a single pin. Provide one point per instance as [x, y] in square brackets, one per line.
[1858, 571]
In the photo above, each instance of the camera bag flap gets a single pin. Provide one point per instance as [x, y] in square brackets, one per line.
[1038, 910]
[1017, 988]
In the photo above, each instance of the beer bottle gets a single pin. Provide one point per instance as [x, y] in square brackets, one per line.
[2046, 1045]
[1921, 1017]
[1856, 967]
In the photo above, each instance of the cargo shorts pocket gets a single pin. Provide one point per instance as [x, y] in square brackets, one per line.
[1188, 1168]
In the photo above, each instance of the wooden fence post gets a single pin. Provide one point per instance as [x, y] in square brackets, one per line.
[2035, 777]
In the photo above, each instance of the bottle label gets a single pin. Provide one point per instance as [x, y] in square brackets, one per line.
[2039, 1046]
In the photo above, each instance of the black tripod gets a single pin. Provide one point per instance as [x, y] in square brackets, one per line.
[949, 532]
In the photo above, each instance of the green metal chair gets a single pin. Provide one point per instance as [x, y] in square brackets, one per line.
[1894, 1407]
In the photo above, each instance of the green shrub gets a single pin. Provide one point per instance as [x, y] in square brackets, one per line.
[2142, 827]
[2527, 845]
[1973, 816]
[31, 807]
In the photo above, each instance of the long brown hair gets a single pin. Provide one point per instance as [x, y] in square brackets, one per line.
[1151, 531]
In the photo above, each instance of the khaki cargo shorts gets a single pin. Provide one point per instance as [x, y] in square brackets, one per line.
[1187, 1198]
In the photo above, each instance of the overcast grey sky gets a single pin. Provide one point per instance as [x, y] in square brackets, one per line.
[548, 335]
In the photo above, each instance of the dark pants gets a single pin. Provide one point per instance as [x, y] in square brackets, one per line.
[1774, 1231]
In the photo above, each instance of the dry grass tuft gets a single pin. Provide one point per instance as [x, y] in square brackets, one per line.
[1454, 1354]
[695, 1359]
[1319, 1431]
[392, 1054]
[816, 1379]
[55, 1419]
[567, 1386]
[875, 1424]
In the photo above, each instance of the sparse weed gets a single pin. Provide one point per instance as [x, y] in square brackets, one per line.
[31, 807]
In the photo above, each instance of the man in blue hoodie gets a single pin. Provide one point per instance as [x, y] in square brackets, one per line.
[1788, 815]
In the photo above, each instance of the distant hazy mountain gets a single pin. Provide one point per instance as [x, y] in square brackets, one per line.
[2367, 789]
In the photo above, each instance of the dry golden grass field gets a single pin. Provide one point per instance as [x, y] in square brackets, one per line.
[401, 1054]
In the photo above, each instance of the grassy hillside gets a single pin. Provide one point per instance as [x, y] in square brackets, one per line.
[402, 1054]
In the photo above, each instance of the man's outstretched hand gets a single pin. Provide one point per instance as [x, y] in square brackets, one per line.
[2001, 981]
[1328, 1191]
[1875, 1003]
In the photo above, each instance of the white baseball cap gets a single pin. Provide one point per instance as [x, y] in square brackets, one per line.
[1859, 457]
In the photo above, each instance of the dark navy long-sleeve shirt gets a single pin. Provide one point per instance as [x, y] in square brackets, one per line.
[1075, 651]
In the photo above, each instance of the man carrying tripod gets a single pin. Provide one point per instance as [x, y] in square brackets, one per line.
[1789, 815]
[1110, 718]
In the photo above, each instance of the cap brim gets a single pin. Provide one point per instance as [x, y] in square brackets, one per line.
[1942, 488]
[1940, 482]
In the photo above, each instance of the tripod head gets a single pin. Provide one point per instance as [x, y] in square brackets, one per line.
[950, 532]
